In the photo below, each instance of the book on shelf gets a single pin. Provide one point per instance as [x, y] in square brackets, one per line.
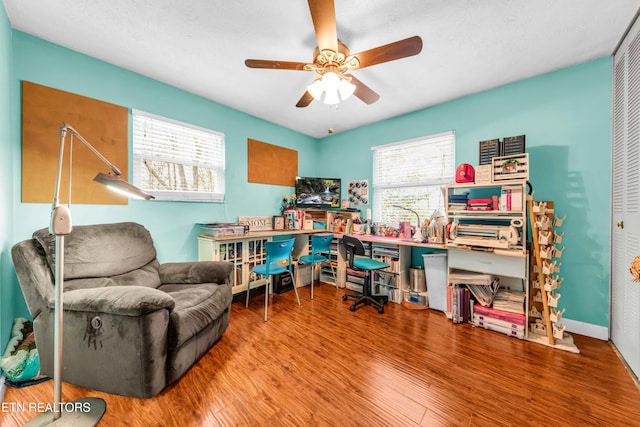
[512, 324]
[508, 300]
[511, 329]
[515, 197]
[459, 207]
[459, 303]
[482, 286]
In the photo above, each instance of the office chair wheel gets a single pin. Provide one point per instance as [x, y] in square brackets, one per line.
[344, 298]
[352, 307]
[381, 310]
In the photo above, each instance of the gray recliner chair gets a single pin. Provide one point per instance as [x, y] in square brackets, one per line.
[132, 326]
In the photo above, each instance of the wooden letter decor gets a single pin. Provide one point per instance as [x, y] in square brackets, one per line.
[272, 164]
[105, 126]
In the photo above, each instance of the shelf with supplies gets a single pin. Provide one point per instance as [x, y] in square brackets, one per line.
[393, 279]
[390, 281]
[488, 216]
[245, 252]
[339, 221]
[488, 266]
[489, 290]
[328, 269]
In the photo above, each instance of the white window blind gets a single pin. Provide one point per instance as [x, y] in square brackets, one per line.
[177, 161]
[412, 174]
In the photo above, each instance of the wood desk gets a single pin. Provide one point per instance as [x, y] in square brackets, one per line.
[393, 241]
[266, 233]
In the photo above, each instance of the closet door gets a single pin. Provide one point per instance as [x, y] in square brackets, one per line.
[625, 200]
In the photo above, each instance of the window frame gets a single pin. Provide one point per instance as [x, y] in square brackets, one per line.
[218, 164]
[447, 176]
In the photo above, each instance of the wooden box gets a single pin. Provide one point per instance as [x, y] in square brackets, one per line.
[511, 167]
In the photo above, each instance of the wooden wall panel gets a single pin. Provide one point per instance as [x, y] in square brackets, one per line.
[272, 164]
[103, 125]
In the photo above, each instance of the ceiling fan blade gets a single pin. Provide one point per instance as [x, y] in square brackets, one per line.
[323, 14]
[390, 52]
[364, 92]
[275, 65]
[305, 100]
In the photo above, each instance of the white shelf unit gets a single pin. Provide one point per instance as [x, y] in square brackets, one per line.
[512, 271]
[244, 253]
[502, 229]
[327, 271]
[492, 241]
[390, 281]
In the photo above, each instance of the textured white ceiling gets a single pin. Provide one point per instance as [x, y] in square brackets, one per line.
[200, 46]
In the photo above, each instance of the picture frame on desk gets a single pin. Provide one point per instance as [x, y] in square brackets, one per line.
[278, 222]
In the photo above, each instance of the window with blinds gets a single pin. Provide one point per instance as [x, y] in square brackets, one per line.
[177, 161]
[412, 174]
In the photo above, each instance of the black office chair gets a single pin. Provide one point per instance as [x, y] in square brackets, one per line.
[354, 247]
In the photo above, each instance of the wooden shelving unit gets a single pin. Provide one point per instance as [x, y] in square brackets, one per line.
[537, 275]
[547, 249]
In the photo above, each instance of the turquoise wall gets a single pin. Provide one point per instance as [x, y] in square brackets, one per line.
[172, 224]
[566, 117]
[8, 293]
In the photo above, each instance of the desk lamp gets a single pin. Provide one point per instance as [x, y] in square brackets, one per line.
[417, 236]
[85, 411]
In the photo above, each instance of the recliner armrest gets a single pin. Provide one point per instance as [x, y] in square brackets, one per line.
[196, 272]
[119, 300]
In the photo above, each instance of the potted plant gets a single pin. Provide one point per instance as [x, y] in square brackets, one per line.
[510, 166]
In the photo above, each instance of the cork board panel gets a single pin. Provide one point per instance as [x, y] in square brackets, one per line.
[105, 126]
[272, 164]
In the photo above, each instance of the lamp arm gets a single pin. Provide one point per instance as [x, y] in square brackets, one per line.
[69, 128]
[56, 190]
[418, 235]
[60, 215]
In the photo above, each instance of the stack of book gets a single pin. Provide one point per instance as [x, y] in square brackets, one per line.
[482, 286]
[458, 202]
[506, 316]
[508, 323]
[510, 301]
[459, 304]
[479, 205]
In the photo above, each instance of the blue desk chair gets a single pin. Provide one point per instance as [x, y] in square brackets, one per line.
[276, 252]
[320, 244]
[354, 247]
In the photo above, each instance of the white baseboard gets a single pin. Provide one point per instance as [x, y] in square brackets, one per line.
[593, 331]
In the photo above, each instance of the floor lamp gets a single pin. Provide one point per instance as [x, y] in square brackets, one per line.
[86, 411]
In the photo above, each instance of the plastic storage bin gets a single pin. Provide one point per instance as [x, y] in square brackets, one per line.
[435, 267]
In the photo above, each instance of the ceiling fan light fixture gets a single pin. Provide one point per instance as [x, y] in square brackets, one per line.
[331, 89]
[316, 89]
[346, 88]
[331, 97]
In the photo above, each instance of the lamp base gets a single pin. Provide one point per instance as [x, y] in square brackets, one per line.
[82, 412]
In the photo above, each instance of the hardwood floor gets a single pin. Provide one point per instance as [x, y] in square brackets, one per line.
[321, 364]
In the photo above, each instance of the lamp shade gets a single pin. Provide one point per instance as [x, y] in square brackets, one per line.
[331, 88]
[115, 183]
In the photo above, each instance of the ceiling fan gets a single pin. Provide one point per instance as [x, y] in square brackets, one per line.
[332, 60]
